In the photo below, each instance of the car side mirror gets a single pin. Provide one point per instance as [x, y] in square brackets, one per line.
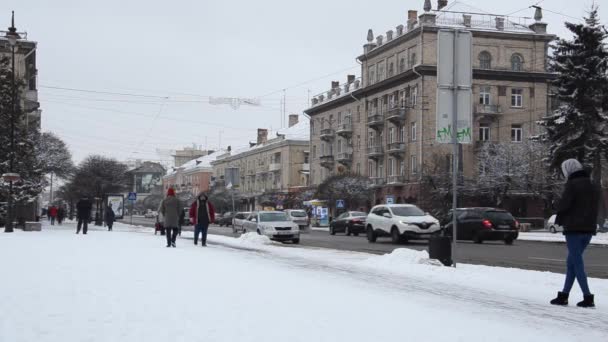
[387, 215]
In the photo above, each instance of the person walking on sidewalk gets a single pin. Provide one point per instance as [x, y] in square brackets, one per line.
[83, 214]
[577, 214]
[60, 214]
[170, 208]
[110, 217]
[202, 214]
[53, 214]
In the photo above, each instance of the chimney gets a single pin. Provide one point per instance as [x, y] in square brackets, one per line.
[293, 119]
[335, 84]
[412, 18]
[379, 40]
[350, 78]
[262, 136]
[229, 148]
[399, 30]
[500, 23]
[538, 26]
[466, 18]
[370, 45]
[441, 4]
[389, 35]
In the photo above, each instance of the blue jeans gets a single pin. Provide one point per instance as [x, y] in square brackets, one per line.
[576, 268]
[201, 228]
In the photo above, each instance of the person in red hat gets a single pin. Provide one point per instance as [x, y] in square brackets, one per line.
[170, 208]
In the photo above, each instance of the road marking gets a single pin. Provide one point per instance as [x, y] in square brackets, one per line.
[547, 259]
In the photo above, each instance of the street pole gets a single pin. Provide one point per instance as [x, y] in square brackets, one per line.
[455, 151]
[8, 227]
[131, 212]
[51, 196]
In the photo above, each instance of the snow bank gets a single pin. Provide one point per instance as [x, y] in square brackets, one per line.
[399, 257]
[254, 239]
[598, 239]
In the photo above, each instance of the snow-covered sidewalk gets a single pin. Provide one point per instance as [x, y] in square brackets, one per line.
[598, 239]
[126, 286]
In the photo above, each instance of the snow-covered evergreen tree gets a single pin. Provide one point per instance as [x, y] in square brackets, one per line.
[579, 127]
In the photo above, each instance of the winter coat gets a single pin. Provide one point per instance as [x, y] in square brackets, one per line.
[83, 209]
[578, 208]
[194, 211]
[53, 212]
[170, 209]
[110, 216]
[61, 213]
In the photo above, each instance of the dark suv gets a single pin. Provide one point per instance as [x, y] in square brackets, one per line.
[483, 224]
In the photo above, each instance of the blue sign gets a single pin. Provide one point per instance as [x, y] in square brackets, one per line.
[132, 196]
[340, 204]
[390, 199]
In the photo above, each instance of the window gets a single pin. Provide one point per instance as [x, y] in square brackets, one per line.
[391, 135]
[517, 97]
[413, 131]
[372, 74]
[414, 164]
[402, 64]
[516, 133]
[391, 69]
[339, 118]
[312, 127]
[358, 113]
[391, 166]
[370, 139]
[402, 168]
[358, 168]
[485, 60]
[306, 158]
[414, 96]
[392, 100]
[484, 95]
[402, 98]
[517, 62]
[381, 170]
[339, 146]
[484, 132]
[331, 120]
[370, 169]
[402, 134]
[380, 71]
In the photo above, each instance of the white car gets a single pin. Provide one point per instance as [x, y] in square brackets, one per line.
[238, 220]
[150, 214]
[552, 227]
[402, 222]
[274, 224]
[299, 217]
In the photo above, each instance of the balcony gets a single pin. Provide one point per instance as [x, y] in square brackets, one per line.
[345, 130]
[396, 114]
[327, 161]
[262, 170]
[305, 167]
[481, 109]
[375, 152]
[375, 121]
[274, 167]
[396, 180]
[345, 158]
[327, 134]
[396, 149]
[378, 182]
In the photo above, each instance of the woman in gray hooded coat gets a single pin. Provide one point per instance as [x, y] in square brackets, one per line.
[577, 214]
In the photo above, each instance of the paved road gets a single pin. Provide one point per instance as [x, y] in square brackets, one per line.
[541, 256]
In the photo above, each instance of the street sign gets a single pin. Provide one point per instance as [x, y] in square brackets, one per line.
[390, 199]
[454, 94]
[132, 196]
[340, 204]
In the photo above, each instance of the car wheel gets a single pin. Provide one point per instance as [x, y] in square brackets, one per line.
[259, 233]
[395, 235]
[552, 229]
[332, 231]
[371, 235]
[509, 241]
[477, 238]
[295, 241]
[347, 231]
[356, 234]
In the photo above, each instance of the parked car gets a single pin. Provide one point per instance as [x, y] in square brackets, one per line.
[149, 214]
[481, 224]
[238, 219]
[350, 222]
[552, 227]
[226, 219]
[299, 217]
[274, 224]
[402, 222]
[187, 221]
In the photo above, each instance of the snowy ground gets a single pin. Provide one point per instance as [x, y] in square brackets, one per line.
[126, 286]
[599, 239]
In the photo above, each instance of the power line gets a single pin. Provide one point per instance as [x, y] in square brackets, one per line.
[103, 92]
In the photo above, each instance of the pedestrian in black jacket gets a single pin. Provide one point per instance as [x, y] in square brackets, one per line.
[577, 214]
[110, 218]
[83, 214]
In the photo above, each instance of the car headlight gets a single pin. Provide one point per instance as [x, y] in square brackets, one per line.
[404, 222]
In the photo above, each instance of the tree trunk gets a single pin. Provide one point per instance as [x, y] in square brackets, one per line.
[596, 179]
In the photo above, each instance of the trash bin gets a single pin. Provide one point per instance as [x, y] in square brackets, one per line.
[440, 248]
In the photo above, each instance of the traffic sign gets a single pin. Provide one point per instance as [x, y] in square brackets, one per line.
[340, 204]
[390, 199]
[132, 196]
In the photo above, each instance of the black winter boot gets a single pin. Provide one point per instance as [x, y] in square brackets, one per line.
[588, 302]
[562, 299]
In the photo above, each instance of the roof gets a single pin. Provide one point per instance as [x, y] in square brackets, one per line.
[149, 167]
[199, 163]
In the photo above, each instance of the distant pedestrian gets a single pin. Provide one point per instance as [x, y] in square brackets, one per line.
[182, 220]
[53, 214]
[83, 214]
[202, 214]
[577, 214]
[110, 218]
[61, 212]
[170, 208]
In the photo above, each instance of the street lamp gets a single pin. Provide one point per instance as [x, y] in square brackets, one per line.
[11, 176]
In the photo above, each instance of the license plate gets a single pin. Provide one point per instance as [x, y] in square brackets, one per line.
[504, 226]
[280, 232]
[425, 236]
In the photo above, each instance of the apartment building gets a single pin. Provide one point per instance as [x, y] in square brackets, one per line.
[192, 177]
[383, 124]
[276, 165]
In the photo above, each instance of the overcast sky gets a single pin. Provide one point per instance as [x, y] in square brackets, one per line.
[171, 56]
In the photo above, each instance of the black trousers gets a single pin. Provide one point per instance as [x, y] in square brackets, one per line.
[84, 224]
[171, 234]
[110, 224]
